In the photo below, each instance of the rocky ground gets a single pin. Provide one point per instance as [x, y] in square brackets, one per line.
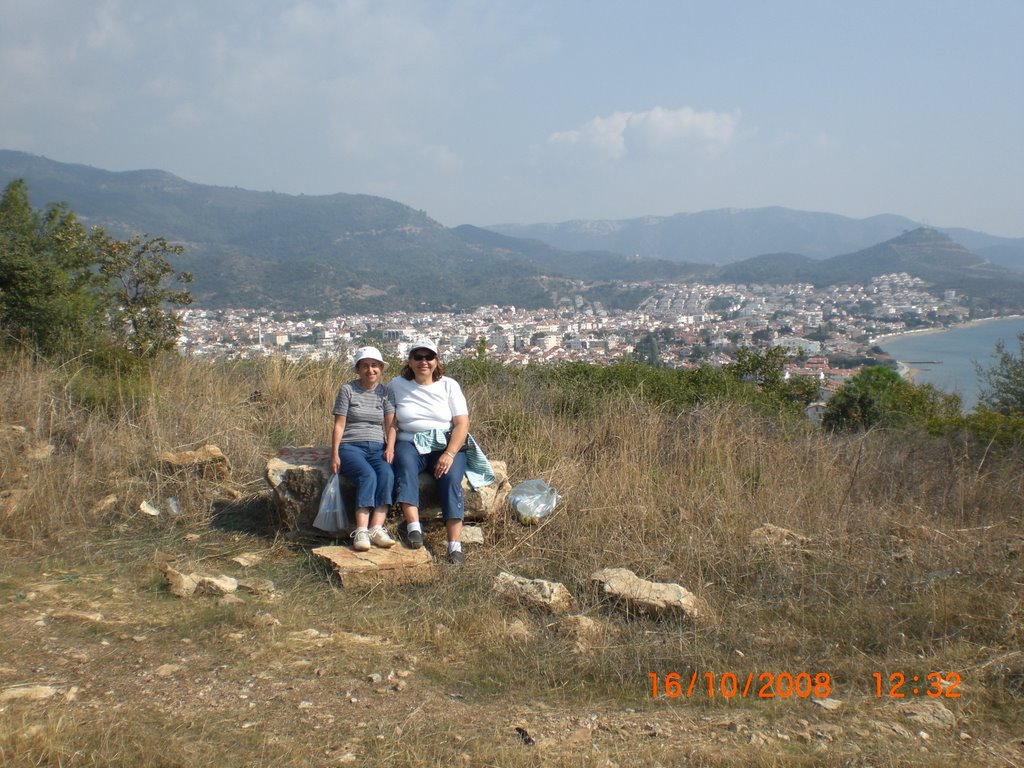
[103, 665]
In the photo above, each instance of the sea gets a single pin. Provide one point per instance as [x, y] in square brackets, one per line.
[945, 359]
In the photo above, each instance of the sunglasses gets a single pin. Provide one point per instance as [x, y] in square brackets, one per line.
[419, 357]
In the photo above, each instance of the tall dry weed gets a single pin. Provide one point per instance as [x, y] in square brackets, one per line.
[904, 547]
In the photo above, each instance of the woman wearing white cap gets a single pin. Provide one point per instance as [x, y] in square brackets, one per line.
[427, 403]
[362, 417]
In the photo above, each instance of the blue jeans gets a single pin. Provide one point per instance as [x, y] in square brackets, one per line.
[364, 465]
[408, 465]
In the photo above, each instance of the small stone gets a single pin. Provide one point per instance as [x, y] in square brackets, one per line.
[207, 461]
[149, 509]
[518, 630]
[472, 534]
[256, 586]
[222, 585]
[28, 693]
[104, 504]
[648, 596]
[535, 593]
[773, 536]
[166, 670]
[40, 451]
[179, 584]
[829, 704]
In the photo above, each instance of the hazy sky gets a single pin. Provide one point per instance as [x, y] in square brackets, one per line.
[497, 111]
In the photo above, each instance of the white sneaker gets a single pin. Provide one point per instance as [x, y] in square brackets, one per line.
[360, 540]
[380, 537]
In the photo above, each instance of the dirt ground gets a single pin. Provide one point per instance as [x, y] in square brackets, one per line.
[101, 665]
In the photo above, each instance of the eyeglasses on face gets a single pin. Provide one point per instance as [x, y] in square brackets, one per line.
[419, 357]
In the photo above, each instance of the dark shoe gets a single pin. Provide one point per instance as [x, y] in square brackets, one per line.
[456, 557]
[414, 539]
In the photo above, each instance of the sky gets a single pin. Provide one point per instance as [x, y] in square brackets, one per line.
[514, 111]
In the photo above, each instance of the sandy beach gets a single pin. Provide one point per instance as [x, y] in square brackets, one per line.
[950, 364]
[877, 340]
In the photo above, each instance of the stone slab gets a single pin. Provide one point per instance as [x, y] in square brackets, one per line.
[396, 565]
[297, 476]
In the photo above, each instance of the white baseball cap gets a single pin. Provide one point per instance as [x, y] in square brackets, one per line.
[423, 344]
[368, 353]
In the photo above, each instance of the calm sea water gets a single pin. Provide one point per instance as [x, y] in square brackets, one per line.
[945, 360]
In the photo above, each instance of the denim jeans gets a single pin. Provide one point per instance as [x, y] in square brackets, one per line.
[364, 465]
[409, 463]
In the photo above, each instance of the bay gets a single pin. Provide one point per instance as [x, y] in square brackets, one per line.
[945, 359]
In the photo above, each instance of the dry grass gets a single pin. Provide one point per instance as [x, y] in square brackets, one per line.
[912, 561]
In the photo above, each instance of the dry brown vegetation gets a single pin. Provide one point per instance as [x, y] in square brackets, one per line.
[913, 562]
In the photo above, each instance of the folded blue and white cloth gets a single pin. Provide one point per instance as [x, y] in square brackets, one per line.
[478, 469]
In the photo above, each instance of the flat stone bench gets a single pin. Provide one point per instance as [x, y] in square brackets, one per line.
[297, 476]
[394, 566]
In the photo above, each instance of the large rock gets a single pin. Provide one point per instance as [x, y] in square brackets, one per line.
[548, 596]
[396, 565]
[770, 536]
[297, 477]
[656, 599]
[206, 461]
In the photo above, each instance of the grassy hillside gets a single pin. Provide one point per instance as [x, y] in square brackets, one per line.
[338, 253]
[912, 563]
[348, 253]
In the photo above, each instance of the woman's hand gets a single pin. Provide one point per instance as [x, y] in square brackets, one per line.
[444, 463]
[335, 464]
[389, 454]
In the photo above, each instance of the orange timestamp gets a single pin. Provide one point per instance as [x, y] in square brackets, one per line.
[899, 685]
[729, 685]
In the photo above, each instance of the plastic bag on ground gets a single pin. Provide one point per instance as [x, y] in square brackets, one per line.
[332, 516]
[533, 500]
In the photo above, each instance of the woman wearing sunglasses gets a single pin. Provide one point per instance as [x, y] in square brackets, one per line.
[429, 433]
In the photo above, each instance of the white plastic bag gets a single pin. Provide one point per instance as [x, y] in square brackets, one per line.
[332, 516]
[532, 500]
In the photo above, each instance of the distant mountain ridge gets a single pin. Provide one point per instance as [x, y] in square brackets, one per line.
[730, 234]
[347, 253]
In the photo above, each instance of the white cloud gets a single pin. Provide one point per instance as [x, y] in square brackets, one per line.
[658, 129]
[442, 158]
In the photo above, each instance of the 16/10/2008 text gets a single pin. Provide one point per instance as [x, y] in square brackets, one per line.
[764, 685]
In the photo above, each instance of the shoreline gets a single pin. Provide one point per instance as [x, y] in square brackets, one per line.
[908, 372]
[876, 340]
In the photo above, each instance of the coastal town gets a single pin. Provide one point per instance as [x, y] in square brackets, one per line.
[828, 331]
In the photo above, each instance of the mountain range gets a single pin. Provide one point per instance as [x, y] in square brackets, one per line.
[348, 253]
[727, 235]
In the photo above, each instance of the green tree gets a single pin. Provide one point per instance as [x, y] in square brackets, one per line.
[878, 396]
[647, 351]
[139, 289]
[766, 370]
[48, 287]
[1002, 384]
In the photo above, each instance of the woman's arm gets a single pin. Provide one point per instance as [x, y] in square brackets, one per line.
[339, 430]
[390, 434]
[460, 430]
